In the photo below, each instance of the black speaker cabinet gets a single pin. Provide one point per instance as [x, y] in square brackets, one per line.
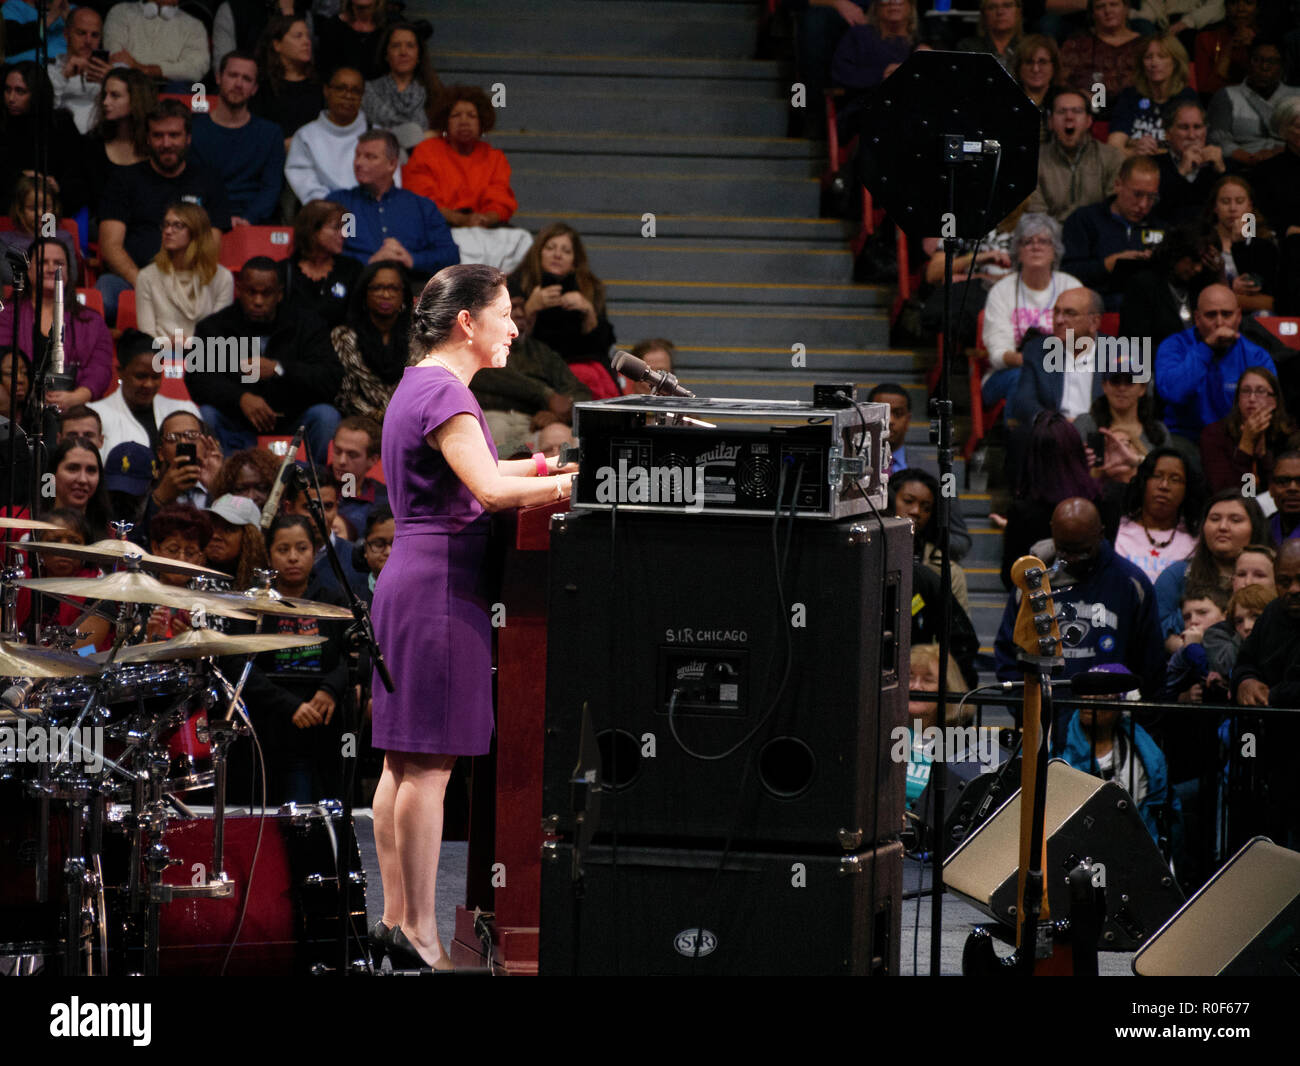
[724, 708]
[1086, 818]
[659, 911]
[1244, 922]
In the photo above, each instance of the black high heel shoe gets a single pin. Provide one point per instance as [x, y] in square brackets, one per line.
[381, 942]
[402, 954]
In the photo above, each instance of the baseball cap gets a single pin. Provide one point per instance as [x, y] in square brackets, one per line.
[237, 510]
[129, 468]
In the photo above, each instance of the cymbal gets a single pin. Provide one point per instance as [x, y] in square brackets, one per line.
[265, 601]
[25, 523]
[28, 660]
[200, 643]
[111, 551]
[126, 586]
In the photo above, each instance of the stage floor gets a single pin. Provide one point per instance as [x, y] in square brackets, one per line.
[958, 916]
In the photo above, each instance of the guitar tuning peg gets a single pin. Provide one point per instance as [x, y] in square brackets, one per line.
[1047, 645]
[1067, 613]
[1043, 623]
[1038, 601]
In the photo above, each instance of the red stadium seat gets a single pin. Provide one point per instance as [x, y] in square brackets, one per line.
[1287, 330]
[92, 298]
[126, 310]
[244, 242]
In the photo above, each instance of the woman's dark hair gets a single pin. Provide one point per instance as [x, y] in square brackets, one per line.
[1281, 427]
[292, 521]
[440, 111]
[529, 273]
[252, 552]
[262, 460]
[309, 221]
[424, 72]
[99, 509]
[1202, 570]
[465, 287]
[386, 358]
[131, 345]
[143, 95]
[1055, 467]
[378, 515]
[269, 66]
[1190, 510]
[929, 534]
[70, 303]
[1210, 216]
[1146, 414]
[182, 518]
[38, 85]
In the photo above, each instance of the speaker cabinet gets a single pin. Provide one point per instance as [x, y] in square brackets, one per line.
[1244, 922]
[660, 911]
[1086, 818]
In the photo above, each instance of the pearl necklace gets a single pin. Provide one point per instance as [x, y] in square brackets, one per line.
[450, 370]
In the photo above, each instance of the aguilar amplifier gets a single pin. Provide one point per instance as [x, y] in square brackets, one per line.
[734, 457]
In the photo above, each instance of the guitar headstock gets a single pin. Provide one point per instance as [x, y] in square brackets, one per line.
[1036, 632]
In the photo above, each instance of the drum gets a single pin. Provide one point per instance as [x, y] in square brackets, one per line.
[291, 922]
[190, 754]
[153, 688]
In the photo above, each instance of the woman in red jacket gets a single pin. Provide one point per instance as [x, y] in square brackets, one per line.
[1246, 442]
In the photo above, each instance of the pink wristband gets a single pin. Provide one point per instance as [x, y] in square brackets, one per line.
[540, 460]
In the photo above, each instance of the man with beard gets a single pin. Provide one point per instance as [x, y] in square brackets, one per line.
[1114, 604]
[1075, 169]
[293, 375]
[245, 151]
[133, 205]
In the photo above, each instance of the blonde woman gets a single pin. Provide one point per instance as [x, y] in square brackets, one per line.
[1160, 80]
[184, 283]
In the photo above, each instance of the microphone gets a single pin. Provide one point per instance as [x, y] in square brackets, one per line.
[281, 480]
[1093, 683]
[16, 694]
[661, 382]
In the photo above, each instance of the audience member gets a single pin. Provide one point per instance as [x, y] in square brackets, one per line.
[535, 387]
[322, 152]
[245, 151]
[373, 344]
[322, 570]
[1106, 243]
[1255, 566]
[22, 29]
[157, 39]
[923, 676]
[381, 211]
[135, 411]
[1161, 507]
[869, 53]
[119, 136]
[79, 486]
[1037, 71]
[818, 27]
[1074, 169]
[290, 94]
[977, 266]
[1115, 618]
[1137, 118]
[238, 25]
[131, 212]
[1241, 115]
[353, 36]
[564, 306]
[1126, 411]
[17, 383]
[1238, 451]
[237, 547]
[927, 597]
[1223, 50]
[1179, 16]
[179, 464]
[291, 384]
[1277, 181]
[1190, 168]
[1197, 370]
[29, 104]
[318, 277]
[249, 473]
[185, 282]
[128, 474]
[180, 532]
[1108, 54]
[469, 180]
[1222, 642]
[1187, 675]
[1161, 299]
[376, 545]
[403, 97]
[1241, 245]
[999, 32]
[93, 631]
[1229, 523]
[914, 494]
[78, 421]
[1023, 302]
[33, 199]
[1284, 488]
[87, 344]
[355, 451]
[76, 76]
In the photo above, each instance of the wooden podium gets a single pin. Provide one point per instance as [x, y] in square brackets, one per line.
[498, 925]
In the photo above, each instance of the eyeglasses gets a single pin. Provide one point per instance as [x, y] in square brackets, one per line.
[383, 288]
[1036, 242]
[1173, 480]
[1041, 61]
[378, 545]
[173, 550]
[172, 224]
[185, 434]
[1070, 314]
[1255, 390]
[347, 90]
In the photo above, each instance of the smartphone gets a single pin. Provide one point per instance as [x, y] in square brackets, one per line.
[1098, 445]
[1253, 279]
[566, 282]
[187, 452]
[101, 54]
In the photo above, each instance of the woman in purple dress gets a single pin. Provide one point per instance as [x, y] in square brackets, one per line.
[431, 616]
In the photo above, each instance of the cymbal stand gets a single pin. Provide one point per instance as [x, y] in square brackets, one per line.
[221, 734]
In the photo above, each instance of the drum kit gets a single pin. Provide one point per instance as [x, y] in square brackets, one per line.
[104, 869]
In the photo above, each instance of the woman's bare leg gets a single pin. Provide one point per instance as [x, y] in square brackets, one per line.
[390, 868]
[417, 822]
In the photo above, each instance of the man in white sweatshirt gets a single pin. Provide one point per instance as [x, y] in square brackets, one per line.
[157, 39]
[321, 152]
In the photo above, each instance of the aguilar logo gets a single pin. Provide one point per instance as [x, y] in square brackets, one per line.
[693, 671]
[723, 453]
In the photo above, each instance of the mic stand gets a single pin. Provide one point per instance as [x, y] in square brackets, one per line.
[360, 634]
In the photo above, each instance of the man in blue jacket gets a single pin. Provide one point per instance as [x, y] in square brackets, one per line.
[1107, 244]
[1197, 370]
[1114, 605]
[392, 223]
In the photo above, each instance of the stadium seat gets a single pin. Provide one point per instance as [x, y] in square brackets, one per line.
[244, 242]
[1287, 330]
[92, 298]
[126, 310]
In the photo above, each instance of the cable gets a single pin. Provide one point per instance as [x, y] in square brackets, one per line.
[260, 762]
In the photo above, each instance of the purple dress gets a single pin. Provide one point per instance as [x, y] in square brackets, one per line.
[431, 616]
